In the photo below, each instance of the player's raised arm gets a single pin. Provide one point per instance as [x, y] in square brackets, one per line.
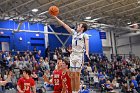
[63, 24]
[87, 45]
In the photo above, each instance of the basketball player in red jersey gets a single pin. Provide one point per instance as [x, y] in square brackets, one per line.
[25, 83]
[66, 83]
[57, 77]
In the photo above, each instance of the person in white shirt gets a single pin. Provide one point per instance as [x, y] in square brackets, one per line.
[80, 41]
[96, 81]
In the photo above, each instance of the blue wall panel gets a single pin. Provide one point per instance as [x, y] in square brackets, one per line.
[11, 25]
[26, 24]
[95, 43]
[23, 45]
[53, 41]
[4, 24]
[4, 39]
[33, 27]
[40, 27]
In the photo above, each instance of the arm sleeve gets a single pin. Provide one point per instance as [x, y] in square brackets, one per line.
[19, 82]
[86, 36]
[73, 31]
[32, 83]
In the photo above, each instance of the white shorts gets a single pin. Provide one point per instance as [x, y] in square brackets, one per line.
[76, 60]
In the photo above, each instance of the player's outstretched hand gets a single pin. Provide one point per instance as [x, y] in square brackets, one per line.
[54, 16]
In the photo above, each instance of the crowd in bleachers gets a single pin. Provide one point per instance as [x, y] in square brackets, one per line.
[99, 73]
[17, 61]
[39, 65]
[120, 73]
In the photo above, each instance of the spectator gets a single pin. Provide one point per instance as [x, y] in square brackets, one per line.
[108, 86]
[133, 80]
[47, 51]
[9, 84]
[138, 77]
[101, 76]
[96, 81]
[7, 80]
[132, 88]
[30, 55]
[34, 51]
[46, 64]
[115, 83]
[18, 55]
[125, 88]
[38, 55]
[55, 56]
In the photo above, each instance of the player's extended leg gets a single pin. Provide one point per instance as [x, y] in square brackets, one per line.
[75, 66]
[73, 80]
[73, 75]
[77, 78]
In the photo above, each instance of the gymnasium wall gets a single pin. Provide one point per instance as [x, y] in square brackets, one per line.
[127, 45]
[106, 44]
[53, 40]
[29, 40]
[95, 43]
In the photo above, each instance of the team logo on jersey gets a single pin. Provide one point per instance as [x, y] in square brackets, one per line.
[76, 38]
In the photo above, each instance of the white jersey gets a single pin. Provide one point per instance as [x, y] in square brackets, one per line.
[78, 41]
[78, 44]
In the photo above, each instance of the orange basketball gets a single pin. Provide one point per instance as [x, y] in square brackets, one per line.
[54, 10]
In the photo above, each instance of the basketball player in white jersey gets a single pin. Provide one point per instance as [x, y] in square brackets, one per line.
[80, 44]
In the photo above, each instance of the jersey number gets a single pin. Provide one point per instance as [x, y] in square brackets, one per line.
[26, 87]
[56, 81]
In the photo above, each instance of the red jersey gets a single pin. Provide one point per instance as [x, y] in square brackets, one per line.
[26, 84]
[67, 81]
[57, 81]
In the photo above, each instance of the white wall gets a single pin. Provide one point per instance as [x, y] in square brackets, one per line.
[136, 49]
[127, 45]
[106, 42]
[123, 45]
[5, 46]
[107, 45]
[136, 45]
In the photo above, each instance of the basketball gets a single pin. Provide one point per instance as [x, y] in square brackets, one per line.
[54, 10]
